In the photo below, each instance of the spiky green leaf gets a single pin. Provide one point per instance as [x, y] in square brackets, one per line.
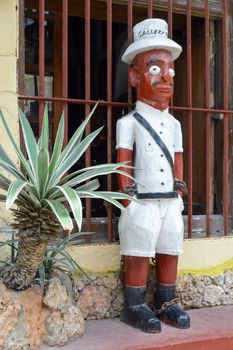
[53, 251]
[12, 170]
[67, 283]
[98, 167]
[72, 158]
[101, 195]
[61, 213]
[29, 140]
[76, 138]
[74, 201]
[5, 158]
[57, 145]
[42, 278]
[89, 186]
[44, 138]
[13, 191]
[42, 171]
[17, 150]
[87, 175]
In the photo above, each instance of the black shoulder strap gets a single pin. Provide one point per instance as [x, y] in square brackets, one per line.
[156, 137]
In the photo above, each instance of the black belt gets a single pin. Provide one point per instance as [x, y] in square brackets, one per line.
[157, 195]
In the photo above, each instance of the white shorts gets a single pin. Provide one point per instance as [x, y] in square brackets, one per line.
[155, 227]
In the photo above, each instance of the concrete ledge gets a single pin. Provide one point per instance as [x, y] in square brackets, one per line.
[211, 329]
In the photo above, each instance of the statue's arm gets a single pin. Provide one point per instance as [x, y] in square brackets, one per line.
[179, 184]
[124, 155]
[178, 166]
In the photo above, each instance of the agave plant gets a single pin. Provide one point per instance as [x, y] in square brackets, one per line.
[57, 261]
[45, 193]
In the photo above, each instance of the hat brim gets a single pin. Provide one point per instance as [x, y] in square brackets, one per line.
[147, 44]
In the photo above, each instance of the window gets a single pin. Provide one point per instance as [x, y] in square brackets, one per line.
[73, 59]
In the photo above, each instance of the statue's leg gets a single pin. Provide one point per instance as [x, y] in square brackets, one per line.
[167, 307]
[135, 311]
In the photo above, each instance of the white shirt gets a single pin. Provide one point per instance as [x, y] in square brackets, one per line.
[153, 172]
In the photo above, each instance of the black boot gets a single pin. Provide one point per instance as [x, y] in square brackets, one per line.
[167, 308]
[136, 313]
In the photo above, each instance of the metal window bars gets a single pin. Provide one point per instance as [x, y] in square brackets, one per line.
[187, 10]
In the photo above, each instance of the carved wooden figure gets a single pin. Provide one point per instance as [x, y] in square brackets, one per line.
[154, 228]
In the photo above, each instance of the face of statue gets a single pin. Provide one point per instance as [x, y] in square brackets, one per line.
[152, 75]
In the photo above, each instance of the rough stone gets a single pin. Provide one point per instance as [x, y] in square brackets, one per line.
[200, 286]
[95, 302]
[56, 295]
[219, 280]
[73, 321]
[206, 280]
[63, 326]
[79, 284]
[117, 304]
[186, 280]
[214, 295]
[56, 334]
[26, 320]
[34, 315]
[18, 338]
[228, 296]
[229, 279]
[189, 302]
[9, 313]
[108, 282]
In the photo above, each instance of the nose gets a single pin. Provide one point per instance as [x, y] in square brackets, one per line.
[166, 77]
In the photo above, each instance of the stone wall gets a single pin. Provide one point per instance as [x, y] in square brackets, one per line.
[28, 320]
[201, 291]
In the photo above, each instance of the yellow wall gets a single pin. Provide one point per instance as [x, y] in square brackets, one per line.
[201, 256]
[8, 77]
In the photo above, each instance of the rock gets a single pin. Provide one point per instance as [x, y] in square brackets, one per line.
[219, 280]
[34, 315]
[186, 280]
[117, 304]
[95, 302]
[56, 295]
[213, 295]
[229, 279]
[73, 321]
[199, 285]
[18, 338]
[228, 296]
[63, 326]
[9, 313]
[79, 284]
[206, 280]
[108, 282]
[56, 334]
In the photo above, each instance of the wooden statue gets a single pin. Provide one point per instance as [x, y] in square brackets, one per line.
[155, 227]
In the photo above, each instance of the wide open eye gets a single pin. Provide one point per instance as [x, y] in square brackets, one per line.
[171, 72]
[155, 70]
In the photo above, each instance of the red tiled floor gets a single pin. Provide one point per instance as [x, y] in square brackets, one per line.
[211, 329]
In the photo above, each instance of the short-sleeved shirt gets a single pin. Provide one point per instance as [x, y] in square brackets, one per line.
[152, 170]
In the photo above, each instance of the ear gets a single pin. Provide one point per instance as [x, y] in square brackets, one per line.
[133, 76]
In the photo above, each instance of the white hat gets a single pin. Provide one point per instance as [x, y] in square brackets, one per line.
[150, 34]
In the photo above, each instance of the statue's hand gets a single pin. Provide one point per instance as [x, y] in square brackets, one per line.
[131, 190]
[181, 187]
[126, 202]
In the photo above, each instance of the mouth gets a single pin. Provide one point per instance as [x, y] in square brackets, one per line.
[164, 88]
[167, 86]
